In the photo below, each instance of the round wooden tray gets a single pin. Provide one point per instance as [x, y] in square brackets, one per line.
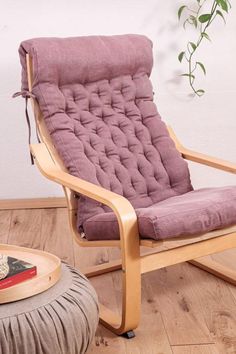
[48, 273]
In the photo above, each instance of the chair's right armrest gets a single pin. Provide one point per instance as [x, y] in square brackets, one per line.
[202, 158]
[123, 209]
[208, 160]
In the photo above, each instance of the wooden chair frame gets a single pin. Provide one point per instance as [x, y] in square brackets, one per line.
[133, 263]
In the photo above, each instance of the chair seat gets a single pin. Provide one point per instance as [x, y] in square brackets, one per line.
[192, 213]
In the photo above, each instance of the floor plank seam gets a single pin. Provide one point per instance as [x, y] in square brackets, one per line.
[167, 335]
[191, 344]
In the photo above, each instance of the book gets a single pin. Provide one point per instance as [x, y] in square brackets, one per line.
[14, 271]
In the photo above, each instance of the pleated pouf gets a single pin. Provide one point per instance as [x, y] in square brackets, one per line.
[61, 320]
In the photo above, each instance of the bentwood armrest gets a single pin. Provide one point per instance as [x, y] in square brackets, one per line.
[208, 160]
[120, 205]
[202, 158]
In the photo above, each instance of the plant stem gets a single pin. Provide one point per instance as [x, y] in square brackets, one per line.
[191, 78]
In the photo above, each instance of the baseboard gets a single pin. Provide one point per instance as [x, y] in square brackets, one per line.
[36, 203]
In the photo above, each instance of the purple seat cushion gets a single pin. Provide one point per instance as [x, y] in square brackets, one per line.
[97, 101]
[192, 213]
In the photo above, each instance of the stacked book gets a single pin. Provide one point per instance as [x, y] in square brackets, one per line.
[14, 271]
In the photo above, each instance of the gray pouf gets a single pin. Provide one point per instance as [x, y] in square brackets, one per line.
[61, 320]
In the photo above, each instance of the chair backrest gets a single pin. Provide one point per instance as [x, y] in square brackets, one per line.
[97, 102]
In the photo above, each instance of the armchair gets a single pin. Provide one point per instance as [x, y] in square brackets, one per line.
[118, 56]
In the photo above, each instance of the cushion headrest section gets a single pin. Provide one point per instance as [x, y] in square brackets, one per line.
[81, 60]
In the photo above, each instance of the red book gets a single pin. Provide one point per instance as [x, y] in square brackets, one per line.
[18, 271]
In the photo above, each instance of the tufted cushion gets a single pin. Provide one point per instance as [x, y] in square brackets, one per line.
[192, 213]
[97, 102]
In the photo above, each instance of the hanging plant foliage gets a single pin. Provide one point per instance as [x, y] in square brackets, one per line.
[201, 21]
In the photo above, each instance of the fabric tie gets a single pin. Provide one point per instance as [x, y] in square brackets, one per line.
[26, 95]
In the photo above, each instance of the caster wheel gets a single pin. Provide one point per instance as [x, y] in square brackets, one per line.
[129, 334]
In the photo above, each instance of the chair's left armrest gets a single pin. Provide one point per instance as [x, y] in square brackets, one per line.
[50, 170]
[202, 158]
[121, 206]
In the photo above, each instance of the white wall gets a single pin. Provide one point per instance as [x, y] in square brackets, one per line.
[206, 124]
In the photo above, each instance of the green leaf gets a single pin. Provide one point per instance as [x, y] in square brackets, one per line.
[188, 75]
[194, 20]
[205, 35]
[193, 45]
[200, 92]
[180, 11]
[230, 6]
[204, 18]
[221, 15]
[180, 56]
[201, 66]
[223, 4]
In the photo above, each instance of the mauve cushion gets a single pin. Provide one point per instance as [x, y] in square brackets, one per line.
[97, 102]
[192, 213]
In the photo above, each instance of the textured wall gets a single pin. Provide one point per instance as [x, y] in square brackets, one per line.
[207, 124]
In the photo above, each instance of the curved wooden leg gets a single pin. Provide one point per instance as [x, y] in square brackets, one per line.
[103, 268]
[131, 277]
[131, 301]
[215, 268]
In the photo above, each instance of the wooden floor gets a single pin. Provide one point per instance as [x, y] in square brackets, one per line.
[184, 310]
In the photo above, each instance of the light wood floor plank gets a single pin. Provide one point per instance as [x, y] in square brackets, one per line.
[195, 349]
[217, 306]
[25, 228]
[5, 221]
[228, 258]
[151, 336]
[105, 341]
[55, 234]
[179, 305]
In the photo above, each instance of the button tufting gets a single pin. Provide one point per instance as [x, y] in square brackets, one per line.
[136, 135]
[114, 128]
[112, 138]
[106, 152]
[115, 173]
[132, 183]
